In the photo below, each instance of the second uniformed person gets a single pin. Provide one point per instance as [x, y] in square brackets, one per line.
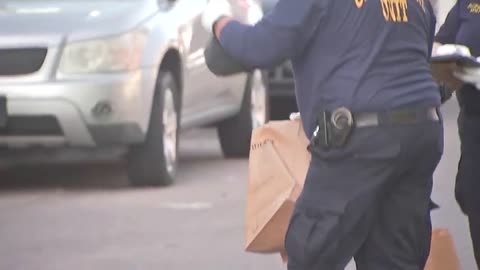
[462, 27]
[369, 104]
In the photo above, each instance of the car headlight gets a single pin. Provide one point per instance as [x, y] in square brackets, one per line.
[119, 53]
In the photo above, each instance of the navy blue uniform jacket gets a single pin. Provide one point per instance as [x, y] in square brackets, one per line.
[365, 55]
[462, 26]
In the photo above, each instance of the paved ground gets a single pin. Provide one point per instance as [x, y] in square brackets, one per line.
[86, 217]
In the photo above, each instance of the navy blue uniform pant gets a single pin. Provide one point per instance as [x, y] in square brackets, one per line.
[467, 188]
[369, 200]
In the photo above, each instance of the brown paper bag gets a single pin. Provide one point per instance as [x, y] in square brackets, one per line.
[278, 164]
[442, 252]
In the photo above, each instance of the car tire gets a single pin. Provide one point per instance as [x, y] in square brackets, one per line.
[154, 163]
[235, 133]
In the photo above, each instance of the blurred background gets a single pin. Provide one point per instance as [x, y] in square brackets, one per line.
[119, 150]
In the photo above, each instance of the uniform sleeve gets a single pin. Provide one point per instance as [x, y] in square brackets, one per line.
[448, 31]
[278, 36]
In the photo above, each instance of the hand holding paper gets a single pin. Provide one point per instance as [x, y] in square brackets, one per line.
[469, 75]
[453, 65]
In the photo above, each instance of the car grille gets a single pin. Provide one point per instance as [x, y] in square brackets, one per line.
[42, 125]
[21, 61]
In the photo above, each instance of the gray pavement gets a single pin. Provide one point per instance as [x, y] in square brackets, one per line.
[87, 217]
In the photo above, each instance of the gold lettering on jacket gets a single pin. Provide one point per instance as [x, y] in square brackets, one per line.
[395, 10]
[474, 8]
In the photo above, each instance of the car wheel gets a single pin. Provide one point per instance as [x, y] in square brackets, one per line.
[154, 163]
[235, 133]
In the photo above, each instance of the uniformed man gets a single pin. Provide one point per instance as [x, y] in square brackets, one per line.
[369, 103]
[462, 26]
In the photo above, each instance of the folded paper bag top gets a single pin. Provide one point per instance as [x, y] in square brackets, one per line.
[219, 62]
[278, 166]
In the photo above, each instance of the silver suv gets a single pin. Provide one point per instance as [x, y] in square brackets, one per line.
[79, 78]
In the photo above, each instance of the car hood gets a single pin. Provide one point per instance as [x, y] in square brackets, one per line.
[75, 19]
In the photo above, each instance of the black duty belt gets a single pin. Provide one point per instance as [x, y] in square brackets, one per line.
[396, 117]
[334, 128]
